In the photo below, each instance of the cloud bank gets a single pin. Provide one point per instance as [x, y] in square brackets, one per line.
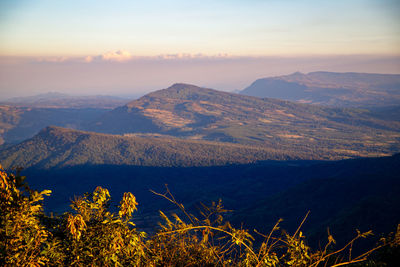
[125, 56]
[118, 56]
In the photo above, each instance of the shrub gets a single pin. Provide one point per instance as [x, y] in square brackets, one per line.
[92, 235]
[23, 238]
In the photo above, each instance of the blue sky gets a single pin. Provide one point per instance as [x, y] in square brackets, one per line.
[129, 47]
[238, 28]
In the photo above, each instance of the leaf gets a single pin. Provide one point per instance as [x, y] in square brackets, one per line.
[46, 192]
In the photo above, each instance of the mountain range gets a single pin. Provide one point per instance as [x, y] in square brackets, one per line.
[331, 88]
[189, 112]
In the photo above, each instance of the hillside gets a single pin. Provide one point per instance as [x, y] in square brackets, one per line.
[60, 147]
[331, 88]
[191, 112]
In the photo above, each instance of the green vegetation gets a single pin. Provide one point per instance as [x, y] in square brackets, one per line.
[59, 147]
[93, 235]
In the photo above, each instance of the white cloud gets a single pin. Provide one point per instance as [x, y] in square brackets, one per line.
[52, 59]
[88, 59]
[123, 56]
[191, 56]
[119, 55]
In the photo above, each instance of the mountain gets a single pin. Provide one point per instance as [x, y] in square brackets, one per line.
[331, 88]
[18, 123]
[191, 112]
[58, 100]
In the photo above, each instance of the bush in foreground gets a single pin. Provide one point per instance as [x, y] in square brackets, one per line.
[91, 235]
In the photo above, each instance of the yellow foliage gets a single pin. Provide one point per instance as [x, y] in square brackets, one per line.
[91, 235]
[128, 205]
[21, 233]
[76, 225]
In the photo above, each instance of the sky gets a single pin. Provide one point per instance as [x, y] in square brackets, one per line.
[128, 47]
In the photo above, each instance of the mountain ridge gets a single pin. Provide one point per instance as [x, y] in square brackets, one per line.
[61, 147]
[55, 147]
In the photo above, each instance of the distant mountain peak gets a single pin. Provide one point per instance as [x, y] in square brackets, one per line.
[183, 86]
[182, 91]
[297, 73]
[55, 133]
[52, 130]
[186, 87]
